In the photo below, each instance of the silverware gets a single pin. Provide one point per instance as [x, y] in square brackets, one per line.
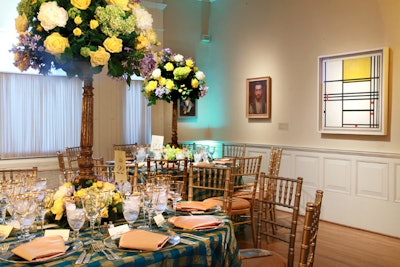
[88, 256]
[199, 238]
[81, 257]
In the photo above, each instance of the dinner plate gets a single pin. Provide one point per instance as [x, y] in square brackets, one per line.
[12, 258]
[114, 244]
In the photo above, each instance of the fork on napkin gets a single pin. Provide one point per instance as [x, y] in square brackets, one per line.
[41, 248]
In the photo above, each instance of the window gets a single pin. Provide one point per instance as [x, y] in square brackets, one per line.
[38, 114]
[136, 115]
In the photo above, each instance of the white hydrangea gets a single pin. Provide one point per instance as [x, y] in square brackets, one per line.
[144, 20]
[178, 58]
[156, 73]
[200, 75]
[51, 15]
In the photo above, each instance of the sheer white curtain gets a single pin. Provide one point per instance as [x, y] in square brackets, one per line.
[38, 114]
[137, 115]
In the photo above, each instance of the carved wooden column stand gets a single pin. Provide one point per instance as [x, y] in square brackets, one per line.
[174, 137]
[85, 162]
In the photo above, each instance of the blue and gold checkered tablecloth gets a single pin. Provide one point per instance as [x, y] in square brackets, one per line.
[219, 249]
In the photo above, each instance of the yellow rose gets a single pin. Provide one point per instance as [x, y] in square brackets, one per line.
[98, 184]
[170, 84]
[104, 213]
[78, 20]
[99, 57]
[21, 23]
[58, 208]
[189, 63]
[80, 193]
[142, 42]
[122, 3]
[77, 32]
[93, 24]
[55, 44]
[81, 4]
[169, 66]
[39, 28]
[151, 86]
[195, 83]
[162, 81]
[108, 186]
[113, 44]
[151, 36]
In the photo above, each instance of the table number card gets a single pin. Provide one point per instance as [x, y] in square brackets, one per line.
[157, 142]
[120, 166]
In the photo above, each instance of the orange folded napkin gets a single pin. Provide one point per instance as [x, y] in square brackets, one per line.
[194, 205]
[196, 222]
[41, 248]
[142, 240]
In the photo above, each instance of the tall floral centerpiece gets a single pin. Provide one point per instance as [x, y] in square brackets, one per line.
[81, 37]
[174, 78]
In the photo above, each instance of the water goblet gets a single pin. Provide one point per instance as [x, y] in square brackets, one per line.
[160, 198]
[175, 192]
[91, 204]
[45, 201]
[131, 209]
[26, 209]
[76, 216]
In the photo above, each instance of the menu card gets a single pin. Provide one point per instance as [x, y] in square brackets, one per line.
[120, 166]
[157, 142]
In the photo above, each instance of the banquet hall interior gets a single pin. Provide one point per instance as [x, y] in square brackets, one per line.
[237, 42]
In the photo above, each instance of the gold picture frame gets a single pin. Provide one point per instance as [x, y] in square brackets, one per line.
[258, 98]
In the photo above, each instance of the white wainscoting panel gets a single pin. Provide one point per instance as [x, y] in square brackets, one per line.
[337, 174]
[372, 179]
[397, 182]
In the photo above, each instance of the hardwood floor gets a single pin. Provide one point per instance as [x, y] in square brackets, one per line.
[339, 246]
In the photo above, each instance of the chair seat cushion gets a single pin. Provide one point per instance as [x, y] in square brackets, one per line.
[237, 203]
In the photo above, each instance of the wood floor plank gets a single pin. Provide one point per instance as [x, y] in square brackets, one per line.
[340, 246]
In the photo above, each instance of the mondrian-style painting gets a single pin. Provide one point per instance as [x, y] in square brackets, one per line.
[353, 93]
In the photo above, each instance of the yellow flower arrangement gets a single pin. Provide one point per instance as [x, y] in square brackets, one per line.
[56, 34]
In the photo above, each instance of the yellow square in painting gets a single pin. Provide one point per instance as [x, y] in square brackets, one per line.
[357, 68]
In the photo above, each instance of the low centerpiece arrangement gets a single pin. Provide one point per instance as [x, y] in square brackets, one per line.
[111, 211]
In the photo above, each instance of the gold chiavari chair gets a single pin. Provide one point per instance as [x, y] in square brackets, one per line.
[72, 154]
[209, 181]
[61, 164]
[284, 193]
[176, 168]
[233, 150]
[310, 231]
[129, 149]
[14, 174]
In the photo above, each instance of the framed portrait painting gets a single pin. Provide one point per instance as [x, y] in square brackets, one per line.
[258, 98]
[187, 109]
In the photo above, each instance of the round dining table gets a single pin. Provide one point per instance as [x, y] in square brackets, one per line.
[216, 247]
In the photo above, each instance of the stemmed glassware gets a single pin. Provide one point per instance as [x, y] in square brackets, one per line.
[131, 208]
[26, 209]
[45, 201]
[91, 205]
[175, 192]
[76, 216]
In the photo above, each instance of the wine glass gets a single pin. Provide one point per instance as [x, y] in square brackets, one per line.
[160, 198]
[26, 209]
[131, 209]
[175, 192]
[45, 201]
[76, 216]
[91, 204]
[211, 150]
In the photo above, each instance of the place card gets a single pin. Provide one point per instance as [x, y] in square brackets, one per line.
[157, 142]
[117, 231]
[120, 166]
[5, 230]
[64, 233]
[159, 219]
